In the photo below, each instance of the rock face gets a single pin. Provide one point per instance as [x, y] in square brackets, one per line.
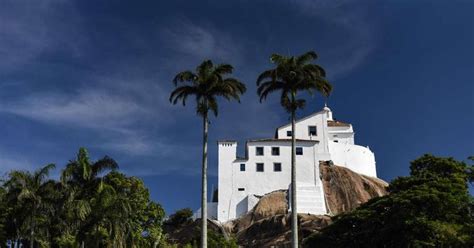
[345, 190]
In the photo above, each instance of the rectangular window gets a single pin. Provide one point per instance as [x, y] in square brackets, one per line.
[259, 167]
[312, 131]
[336, 141]
[299, 150]
[288, 133]
[242, 167]
[277, 167]
[241, 189]
[259, 151]
[276, 151]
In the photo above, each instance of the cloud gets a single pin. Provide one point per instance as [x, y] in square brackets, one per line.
[91, 109]
[29, 28]
[197, 41]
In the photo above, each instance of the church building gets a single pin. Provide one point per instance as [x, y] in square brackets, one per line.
[266, 166]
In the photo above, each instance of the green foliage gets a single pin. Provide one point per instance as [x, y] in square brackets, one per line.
[215, 240]
[3, 215]
[293, 74]
[82, 208]
[430, 208]
[206, 84]
[181, 217]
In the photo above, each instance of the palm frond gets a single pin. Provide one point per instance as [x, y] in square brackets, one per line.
[185, 76]
[212, 104]
[223, 69]
[42, 173]
[181, 94]
[203, 70]
[278, 58]
[306, 57]
[268, 87]
[268, 74]
[106, 163]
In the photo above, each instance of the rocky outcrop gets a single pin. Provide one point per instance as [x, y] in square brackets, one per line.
[268, 224]
[345, 189]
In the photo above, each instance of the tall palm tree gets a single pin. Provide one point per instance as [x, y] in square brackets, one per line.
[28, 189]
[206, 84]
[293, 74]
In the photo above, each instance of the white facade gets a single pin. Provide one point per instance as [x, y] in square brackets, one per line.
[319, 138]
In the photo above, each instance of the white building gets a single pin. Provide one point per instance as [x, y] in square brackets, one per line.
[266, 166]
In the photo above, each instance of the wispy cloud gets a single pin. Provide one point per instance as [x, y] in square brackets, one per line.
[199, 41]
[91, 109]
[29, 28]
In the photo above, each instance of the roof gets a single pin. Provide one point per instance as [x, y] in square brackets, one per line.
[282, 140]
[226, 141]
[338, 124]
[303, 118]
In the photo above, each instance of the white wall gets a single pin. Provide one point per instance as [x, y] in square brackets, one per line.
[233, 203]
[357, 158]
[211, 211]
[302, 125]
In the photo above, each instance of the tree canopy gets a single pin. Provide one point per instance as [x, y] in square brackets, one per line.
[82, 209]
[430, 208]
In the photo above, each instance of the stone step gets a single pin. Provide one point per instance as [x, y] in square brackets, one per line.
[308, 193]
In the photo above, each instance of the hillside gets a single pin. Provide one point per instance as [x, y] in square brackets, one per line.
[268, 223]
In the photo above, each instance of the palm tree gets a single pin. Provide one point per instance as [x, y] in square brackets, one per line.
[82, 182]
[206, 84]
[293, 74]
[29, 190]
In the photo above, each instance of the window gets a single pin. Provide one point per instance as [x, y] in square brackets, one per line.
[299, 150]
[241, 189]
[259, 151]
[276, 151]
[312, 131]
[242, 167]
[336, 141]
[259, 167]
[277, 167]
[288, 133]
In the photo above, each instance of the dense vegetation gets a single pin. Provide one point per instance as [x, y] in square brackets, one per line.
[430, 208]
[186, 233]
[92, 205]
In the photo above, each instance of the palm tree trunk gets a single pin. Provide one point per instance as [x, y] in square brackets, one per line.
[32, 232]
[204, 185]
[32, 239]
[294, 211]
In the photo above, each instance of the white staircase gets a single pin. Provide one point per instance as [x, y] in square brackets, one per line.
[310, 199]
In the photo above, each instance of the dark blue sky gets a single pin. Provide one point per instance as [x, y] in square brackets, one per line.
[98, 74]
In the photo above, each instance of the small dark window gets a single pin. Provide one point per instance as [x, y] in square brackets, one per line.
[259, 151]
[276, 166]
[299, 150]
[241, 189]
[259, 167]
[276, 151]
[288, 133]
[242, 167]
[336, 141]
[312, 131]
